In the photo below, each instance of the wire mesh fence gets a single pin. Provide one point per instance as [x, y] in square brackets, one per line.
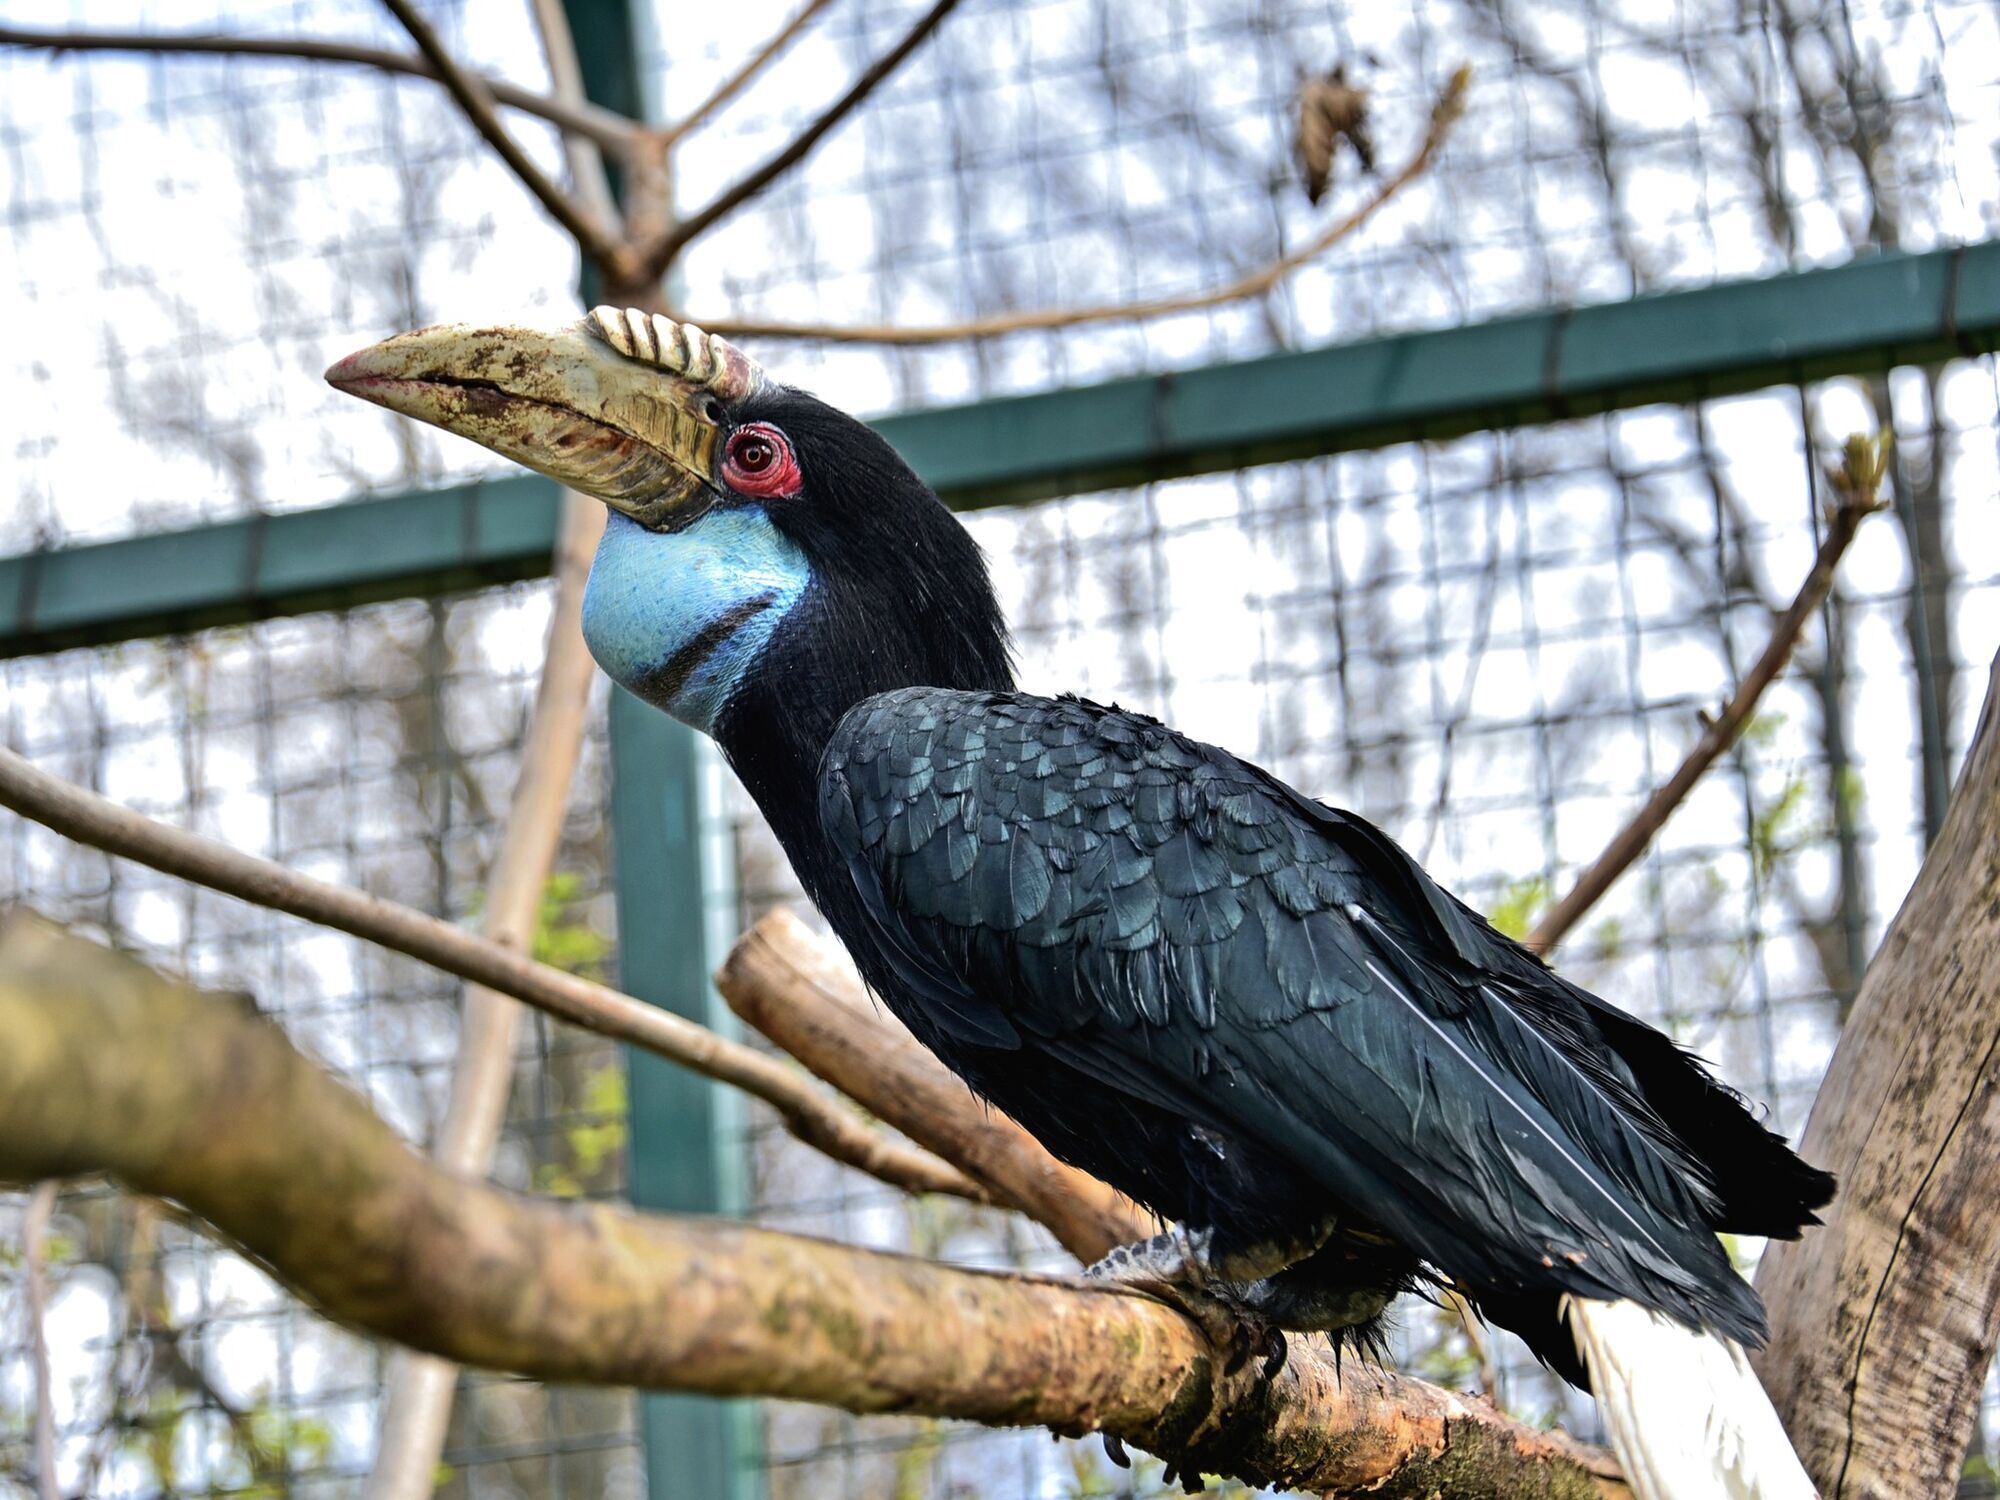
[376, 748]
[1492, 646]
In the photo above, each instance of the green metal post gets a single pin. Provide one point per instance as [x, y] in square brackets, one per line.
[676, 918]
[675, 911]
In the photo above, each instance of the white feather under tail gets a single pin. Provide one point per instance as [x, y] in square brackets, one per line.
[1685, 1411]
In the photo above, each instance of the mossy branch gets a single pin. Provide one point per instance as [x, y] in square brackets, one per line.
[192, 1096]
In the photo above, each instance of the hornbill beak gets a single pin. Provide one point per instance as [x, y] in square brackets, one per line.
[623, 405]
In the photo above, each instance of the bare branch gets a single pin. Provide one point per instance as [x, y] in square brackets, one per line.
[656, 256]
[595, 239]
[726, 90]
[417, 1388]
[586, 162]
[1253, 283]
[800, 991]
[35, 1273]
[1632, 840]
[608, 129]
[191, 1096]
[822, 1122]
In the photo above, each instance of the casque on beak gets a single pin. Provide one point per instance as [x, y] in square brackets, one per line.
[622, 405]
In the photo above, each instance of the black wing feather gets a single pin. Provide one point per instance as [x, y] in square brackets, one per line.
[1055, 875]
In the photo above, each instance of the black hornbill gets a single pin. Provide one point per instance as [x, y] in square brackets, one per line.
[1249, 1010]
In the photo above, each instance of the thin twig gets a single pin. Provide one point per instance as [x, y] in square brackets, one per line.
[609, 129]
[726, 90]
[822, 1122]
[586, 162]
[1476, 1338]
[146, 1306]
[34, 1248]
[1631, 841]
[1251, 284]
[660, 253]
[597, 241]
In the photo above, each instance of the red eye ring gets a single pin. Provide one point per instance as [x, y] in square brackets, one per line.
[757, 460]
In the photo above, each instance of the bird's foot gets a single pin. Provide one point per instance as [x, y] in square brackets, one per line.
[1176, 1267]
[1177, 1257]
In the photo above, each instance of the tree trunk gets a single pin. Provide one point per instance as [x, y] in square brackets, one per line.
[1884, 1322]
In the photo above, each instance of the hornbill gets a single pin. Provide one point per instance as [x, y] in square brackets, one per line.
[1247, 1009]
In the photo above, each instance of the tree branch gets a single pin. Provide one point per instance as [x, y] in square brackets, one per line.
[726, 90]
[586, 161]
[801, 991]
[610, 130]
[1444, 113]
[824, 1123]
[191, 1096]
[1859, 500]
[659, 254]
[596, 240]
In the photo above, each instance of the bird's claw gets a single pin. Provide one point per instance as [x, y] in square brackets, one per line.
[1254, 1336]
[1114, 1449]
[1174, 1266]
[1275, 1350]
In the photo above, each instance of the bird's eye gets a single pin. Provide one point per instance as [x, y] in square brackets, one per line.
[758, 461]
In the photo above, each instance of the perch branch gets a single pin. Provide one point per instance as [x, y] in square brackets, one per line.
[596, 240]
[1856, 505]
[727, 89]
[612, 131]
[822, 1122]
[801, 992]
[1251, 284]
[660, 253]
[193, 1097]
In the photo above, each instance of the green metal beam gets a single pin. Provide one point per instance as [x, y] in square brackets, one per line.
[1673, 347]
[362, 552]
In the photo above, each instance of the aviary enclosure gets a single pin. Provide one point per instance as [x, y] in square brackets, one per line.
[1474, 496]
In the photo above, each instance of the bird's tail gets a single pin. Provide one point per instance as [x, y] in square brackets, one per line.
[1686, 1413]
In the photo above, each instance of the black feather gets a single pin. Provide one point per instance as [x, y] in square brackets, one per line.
[1250, 1011]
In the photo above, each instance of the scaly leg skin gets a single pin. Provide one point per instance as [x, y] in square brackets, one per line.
[1178, 1267]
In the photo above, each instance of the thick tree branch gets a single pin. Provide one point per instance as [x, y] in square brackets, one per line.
[1255, 283]
[659, 254]
[1860, 499]
[757, 62]
[191, 1096]
[822, 1122]
[1884, 1323]
[610, 130]
[597, 240]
